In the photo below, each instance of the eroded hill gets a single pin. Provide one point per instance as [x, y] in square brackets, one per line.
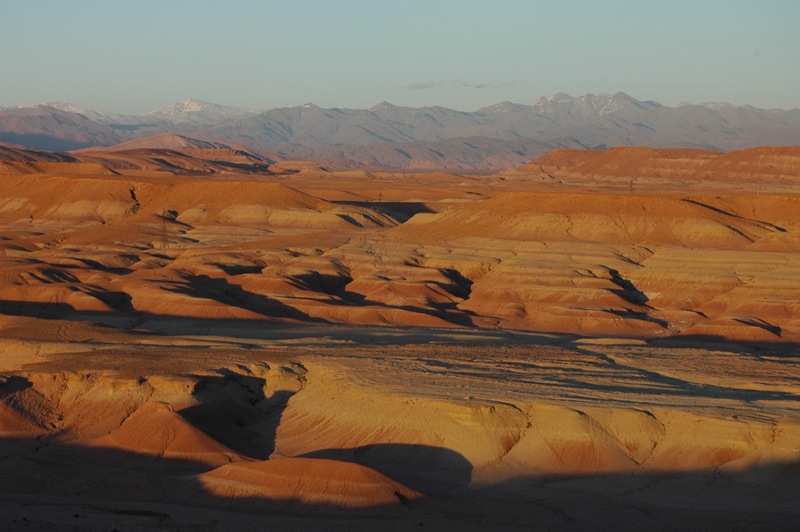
[184, 349]
[421, 250]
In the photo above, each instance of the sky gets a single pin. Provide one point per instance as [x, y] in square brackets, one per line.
[136, 57]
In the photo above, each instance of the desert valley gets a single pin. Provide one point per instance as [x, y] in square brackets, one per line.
[199, 336]
[387, 266]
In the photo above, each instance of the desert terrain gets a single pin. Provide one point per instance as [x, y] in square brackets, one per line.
[196, 336]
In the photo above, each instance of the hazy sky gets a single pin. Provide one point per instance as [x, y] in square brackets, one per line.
[138, 56]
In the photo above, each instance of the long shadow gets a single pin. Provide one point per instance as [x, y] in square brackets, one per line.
[761, 223]
[431, 470]
[401, 211]
[62, 485]
[119, 301]
[638, 316]
[234, 410]
[32, 309]
[761, 324]
[47, 482]
[627, 290]
[460, 286]
[237, 269]
[777, 348]
[757, 498]
[150, 324]
[335, 285]
[95, 265]
[203, 286]
[306, 327]
[54, 275]
[250, 168]
[59, 485]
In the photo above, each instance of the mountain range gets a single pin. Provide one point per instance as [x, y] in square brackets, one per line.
[390, 136]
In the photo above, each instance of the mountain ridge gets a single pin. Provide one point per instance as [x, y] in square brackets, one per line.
[360, 137]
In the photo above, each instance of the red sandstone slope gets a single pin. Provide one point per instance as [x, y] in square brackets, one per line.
[636, 162]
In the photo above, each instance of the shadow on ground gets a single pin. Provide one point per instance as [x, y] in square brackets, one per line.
[54, 485]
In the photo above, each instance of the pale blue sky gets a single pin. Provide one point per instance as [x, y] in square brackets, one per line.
[138, 56]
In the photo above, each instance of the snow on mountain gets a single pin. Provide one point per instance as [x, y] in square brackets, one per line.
[559, 97]
[564, 106]
[383, 107]
[64, 106]
[592, 120]
[503, 107]
[198, 111]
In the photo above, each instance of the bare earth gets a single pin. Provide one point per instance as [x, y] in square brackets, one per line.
[602, 340]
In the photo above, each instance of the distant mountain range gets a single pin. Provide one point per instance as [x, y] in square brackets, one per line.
[389, 136]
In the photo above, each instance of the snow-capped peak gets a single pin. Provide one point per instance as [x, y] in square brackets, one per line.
[383, 107]
[198, 111]
[193, 106]
[717, 106]
[502, 107]
[189, 106]
[64, 106]
[581, 107]
[559, 97]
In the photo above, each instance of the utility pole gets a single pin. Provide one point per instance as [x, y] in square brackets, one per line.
[164, 237]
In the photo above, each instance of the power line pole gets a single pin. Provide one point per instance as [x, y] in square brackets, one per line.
[164, 237]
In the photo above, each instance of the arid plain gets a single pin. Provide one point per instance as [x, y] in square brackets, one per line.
[193, 337]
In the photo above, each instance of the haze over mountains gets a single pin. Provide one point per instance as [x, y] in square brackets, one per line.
[196, 335]
[389, 136]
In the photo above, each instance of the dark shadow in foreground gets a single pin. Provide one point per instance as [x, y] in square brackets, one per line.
[244, 419]
[56, 485]
[431, 470]
[47, 482]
